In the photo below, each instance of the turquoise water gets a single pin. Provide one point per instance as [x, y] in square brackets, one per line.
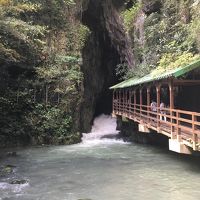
[101, 169]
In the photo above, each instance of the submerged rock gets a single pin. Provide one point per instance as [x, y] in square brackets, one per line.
[110, 136]
[84, 199]
[11, 166]
[11, 154]
[18, 181]
[6, 170]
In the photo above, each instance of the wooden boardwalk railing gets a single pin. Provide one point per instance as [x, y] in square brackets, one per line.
[176, 124]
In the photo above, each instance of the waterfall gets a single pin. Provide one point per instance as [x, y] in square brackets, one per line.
[103, 131]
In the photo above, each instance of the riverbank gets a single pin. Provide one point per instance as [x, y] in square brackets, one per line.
[29, 140]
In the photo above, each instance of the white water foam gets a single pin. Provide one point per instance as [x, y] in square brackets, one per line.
[15, 188]
[103, 132]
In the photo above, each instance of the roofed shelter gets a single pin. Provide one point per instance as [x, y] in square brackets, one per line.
[132, 99]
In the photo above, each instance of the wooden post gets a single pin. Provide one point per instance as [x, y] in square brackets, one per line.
[123, 101]
[118, 100]
[171, 94]
[171, 90]
[126, 100]
[135, 101]
[148, 103]
[130, 95]
[140, 104]
[178, 127]
[124, 110]
[113, 102]
[194, 119]
[132, 103]
[158, 106]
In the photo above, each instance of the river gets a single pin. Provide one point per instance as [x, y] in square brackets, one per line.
[101, 168]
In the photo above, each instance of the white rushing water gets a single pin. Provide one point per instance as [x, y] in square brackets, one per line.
[103, 132]
[16, 188]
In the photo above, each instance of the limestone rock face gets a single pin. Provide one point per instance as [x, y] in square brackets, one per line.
[106, 47]
[151, 6]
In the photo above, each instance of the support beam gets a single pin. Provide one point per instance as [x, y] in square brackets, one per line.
[120, 101]
[179, 147]
[117, 107]
[123, 101]
[183, 82]
[171, 94]
[143, 128]
[148, 103]
[135, 101]
[130, 96]
[126, 101]
[127, 106]
[186, 82]
[141, 104]
[113, 101]
[158, 105]
[194, 135]
[178, 130]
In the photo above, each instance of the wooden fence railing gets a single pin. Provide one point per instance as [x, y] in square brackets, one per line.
[180, 124]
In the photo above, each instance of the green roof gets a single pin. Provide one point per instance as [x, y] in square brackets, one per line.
[174, 73]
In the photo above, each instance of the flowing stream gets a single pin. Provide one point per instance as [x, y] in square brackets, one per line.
[100, 168]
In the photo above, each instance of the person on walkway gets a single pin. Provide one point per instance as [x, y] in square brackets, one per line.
[153, 106]
[162, 111]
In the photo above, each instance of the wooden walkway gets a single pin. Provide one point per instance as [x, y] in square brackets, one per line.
[179, 124]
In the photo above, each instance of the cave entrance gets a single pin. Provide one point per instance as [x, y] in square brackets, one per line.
[99, 73]
[104, 104]
[100, 57]
[108, 61]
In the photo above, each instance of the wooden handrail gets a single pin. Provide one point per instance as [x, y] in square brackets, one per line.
[183, 123]
[167, 109]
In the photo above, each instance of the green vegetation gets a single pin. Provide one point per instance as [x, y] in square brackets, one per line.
[169, 37]
[40, 58]
[130, 15]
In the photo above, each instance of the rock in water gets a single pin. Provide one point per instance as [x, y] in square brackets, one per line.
[19, 182]
[11, 154]
[84, 199]
[6, 170]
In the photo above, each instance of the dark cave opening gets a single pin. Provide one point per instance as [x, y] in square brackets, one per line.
[103, 60]
[104, 104]
[100, 58]
[109, 61]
